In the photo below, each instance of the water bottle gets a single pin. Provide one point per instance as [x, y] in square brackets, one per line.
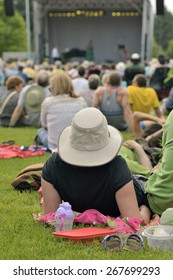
[64, 217]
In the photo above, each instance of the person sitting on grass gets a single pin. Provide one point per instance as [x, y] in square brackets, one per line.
[143, 153]
[146, 124]
[112, 100]
[142, 98]
[14, 86]
[158, 187]
[87, 172]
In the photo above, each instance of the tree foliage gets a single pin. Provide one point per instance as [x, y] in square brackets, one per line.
[170, 49]
[156, 49]
[12, 32]
[163, 29]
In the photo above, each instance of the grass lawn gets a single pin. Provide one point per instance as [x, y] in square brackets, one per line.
[22, 238]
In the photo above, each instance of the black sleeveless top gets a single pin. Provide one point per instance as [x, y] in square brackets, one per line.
[89, 187]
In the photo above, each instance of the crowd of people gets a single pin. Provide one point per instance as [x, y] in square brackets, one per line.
[84, 107]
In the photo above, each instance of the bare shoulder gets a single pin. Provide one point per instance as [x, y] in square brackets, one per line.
[100, 90]
[122, 91]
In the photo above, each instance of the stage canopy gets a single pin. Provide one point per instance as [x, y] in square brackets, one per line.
[116, 27]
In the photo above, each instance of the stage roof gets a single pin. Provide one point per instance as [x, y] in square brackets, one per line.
[118, 5]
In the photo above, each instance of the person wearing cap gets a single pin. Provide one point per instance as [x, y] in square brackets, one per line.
[87, 172]
[30, 100]
[133, 68]
[112, 100]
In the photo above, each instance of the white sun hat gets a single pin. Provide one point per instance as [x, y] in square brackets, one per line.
[89, 141]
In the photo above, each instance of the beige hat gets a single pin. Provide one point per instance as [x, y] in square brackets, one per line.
[31, 73]
[34, 97]
[89, 141]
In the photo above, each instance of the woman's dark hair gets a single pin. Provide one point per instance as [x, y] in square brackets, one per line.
[151, 129]
[155, 141]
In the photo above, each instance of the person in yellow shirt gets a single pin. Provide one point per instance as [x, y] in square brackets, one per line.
[142, 98]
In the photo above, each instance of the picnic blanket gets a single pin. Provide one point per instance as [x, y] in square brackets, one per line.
[94, 217]
[12, 151]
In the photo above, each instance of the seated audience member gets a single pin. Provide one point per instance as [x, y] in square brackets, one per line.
[105, 80]
[159, 185]
[143, 153]
[30, 100]
[133, 68]
[167, 103]
[160, 62]
[88, 94]
[14, 86]
[22, 74]
[11, 69]
[58, 110]
[112, 100]
[80, 83]
[142, 121]
[136, 158]
[71, 70]
[87, 172]
[142, 98]
[160, 78]
[93, 69]
[120, 67]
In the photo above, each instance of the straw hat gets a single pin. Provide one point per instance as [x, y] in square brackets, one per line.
[31, 73]
[89, 141]
[34, 97]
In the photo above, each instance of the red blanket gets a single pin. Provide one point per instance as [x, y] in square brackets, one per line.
[11, 151]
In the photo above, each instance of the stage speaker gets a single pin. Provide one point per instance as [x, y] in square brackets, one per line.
[159, 7]
[9, 7]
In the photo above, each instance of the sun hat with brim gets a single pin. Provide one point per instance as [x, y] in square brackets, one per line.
[34, 97]
[89, 141]
[31, 73]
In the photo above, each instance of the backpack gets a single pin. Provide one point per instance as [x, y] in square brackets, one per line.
[28, 178]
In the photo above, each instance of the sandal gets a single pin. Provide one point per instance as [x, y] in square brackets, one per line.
[133, 242]
[112, 241]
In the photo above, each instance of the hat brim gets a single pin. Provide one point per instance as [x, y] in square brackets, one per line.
[89, 158]
[41, 92]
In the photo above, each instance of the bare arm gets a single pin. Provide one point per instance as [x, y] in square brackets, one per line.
[159, 113]
[127, 203]
[15, 116]
[139, 116]
[142, 156]
[155, 134]
[51, 198]
[128, 115]
[98, 97]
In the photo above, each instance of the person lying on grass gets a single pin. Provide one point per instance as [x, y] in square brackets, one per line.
[145, 122]
[87, 172]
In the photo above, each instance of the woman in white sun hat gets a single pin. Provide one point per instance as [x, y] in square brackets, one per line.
[88, 173]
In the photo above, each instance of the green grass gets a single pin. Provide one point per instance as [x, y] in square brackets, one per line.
[22, 238]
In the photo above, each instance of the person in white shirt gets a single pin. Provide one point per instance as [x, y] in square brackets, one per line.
[55, 54]
[80, 83]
